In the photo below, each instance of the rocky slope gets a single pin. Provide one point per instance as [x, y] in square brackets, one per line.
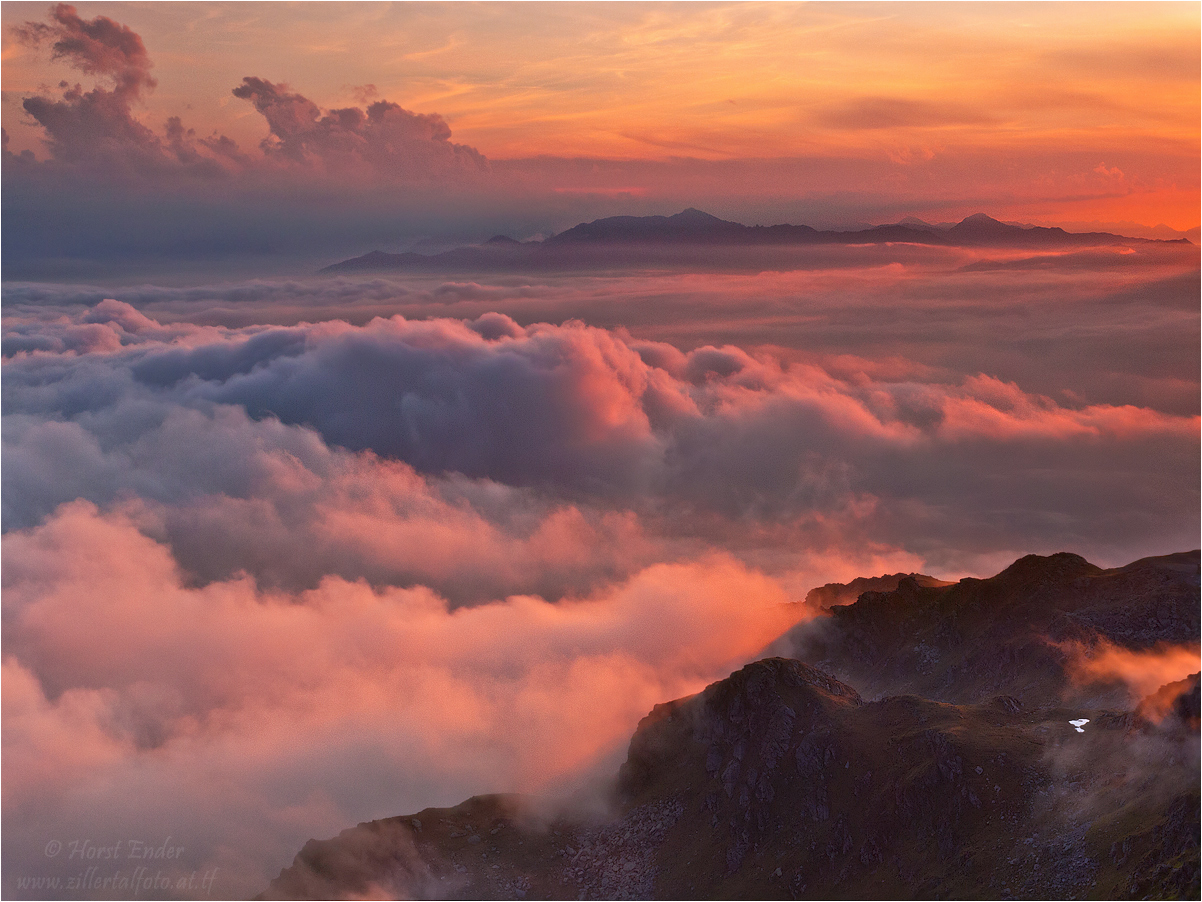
[782, 781]
[1014, 634]
[826, 597]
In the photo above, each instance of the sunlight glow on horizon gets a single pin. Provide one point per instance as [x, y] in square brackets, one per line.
[1009, 86]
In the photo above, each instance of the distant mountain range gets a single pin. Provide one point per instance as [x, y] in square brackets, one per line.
[648, 239]
[977, 764]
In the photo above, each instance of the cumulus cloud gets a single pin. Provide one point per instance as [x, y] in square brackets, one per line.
[231, 495]
[384, 138]
[696, 444]
[265, 581]
[99, 47]
[98, 132]
[116, 189]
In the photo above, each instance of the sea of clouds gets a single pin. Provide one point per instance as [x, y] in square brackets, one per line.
[280, 557]
[283, 555]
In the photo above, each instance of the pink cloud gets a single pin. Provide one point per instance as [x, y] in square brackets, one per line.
[98, 131]
[99, 47]
[987, 407]
[1142, 671]
[127, 691]
[383, 138]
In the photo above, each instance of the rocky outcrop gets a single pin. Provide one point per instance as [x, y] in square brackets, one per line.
[826, 597]
[1007, 635]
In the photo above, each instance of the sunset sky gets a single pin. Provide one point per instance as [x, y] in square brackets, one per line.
[830, 114]
[284, 552]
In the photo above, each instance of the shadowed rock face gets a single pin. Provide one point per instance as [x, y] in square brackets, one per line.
[1006, 635]
[1174, 706]
[826, 597]
[783, 782]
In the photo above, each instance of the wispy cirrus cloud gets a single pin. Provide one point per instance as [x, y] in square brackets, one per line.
[900, 112]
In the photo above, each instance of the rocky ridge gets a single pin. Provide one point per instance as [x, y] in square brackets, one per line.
[783, 781]
[1012, 634]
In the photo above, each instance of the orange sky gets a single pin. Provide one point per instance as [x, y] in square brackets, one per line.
[1003, 84]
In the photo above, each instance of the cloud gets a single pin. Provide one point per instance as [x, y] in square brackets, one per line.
[343, 181]
[99, 47]
[365, 94]
[285, 555]
[118, 191]
[96, 131]
[694, 445]
[899, 112]
[384, 138]
[263, 581]
[242, 722]
[232, 495]
[1141, 672]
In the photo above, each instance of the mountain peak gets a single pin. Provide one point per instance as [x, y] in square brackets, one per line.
[1059, 566]
[692, 214]
[982, 224]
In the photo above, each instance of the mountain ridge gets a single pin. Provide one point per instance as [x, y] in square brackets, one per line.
[784, 780]
[654, 236]
[1009, 634]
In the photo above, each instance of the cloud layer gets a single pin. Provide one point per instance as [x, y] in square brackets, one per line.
[242, 722]
[588, 416]
[278, 570]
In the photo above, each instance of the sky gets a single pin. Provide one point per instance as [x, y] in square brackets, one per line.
[526, 122]
[284, 552]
